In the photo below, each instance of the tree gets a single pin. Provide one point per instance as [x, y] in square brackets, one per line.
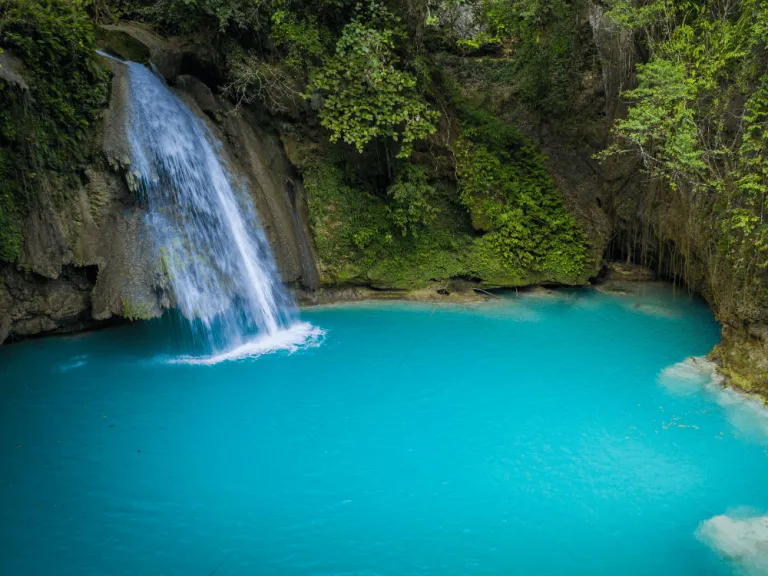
[365, 94]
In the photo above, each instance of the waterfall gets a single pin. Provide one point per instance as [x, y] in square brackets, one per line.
[208, 235]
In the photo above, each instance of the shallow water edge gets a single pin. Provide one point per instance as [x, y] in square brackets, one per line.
[621, 281]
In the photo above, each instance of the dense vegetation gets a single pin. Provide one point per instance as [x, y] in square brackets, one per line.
[373, 75]
[409, 180]
[698, 122]
[45, 125]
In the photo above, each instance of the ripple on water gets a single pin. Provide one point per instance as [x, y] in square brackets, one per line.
[74, 362]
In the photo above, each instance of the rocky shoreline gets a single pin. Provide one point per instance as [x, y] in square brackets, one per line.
[617, 279]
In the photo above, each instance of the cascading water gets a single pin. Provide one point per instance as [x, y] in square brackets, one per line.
[223, 275]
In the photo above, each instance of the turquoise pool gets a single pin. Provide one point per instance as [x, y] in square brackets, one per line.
[534, 435]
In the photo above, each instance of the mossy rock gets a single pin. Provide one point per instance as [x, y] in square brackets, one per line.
[122, 45]
[135, 310]
[743, 360]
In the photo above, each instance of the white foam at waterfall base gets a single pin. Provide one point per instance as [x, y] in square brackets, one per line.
[741, 537]
[298, 336]
[698, 375]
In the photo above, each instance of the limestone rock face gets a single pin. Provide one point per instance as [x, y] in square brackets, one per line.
[31, 304]
[121, 43]
[88, 259]
[278, 192]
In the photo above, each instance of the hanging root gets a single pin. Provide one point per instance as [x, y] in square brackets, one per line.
[486, 292]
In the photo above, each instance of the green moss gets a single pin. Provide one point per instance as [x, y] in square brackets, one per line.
[122, 44]
[165, 262]
[136, 310]
[504, 183]
[365, 237]
[358, 242]
[10, 211]
[742, 361]
[739, 380]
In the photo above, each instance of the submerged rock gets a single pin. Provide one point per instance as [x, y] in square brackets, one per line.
[743, 540]
[628, 272]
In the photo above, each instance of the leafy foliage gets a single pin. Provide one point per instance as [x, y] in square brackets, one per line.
[503, 21]
[697, 122]
[302, 38]
[190, 16]
[365, 94]
[46, 127]
[505, 184]
[504, 224]
[664, 128]
[409, 208]
[55, 40]
[538, 43]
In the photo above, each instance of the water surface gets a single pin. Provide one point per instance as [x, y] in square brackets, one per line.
[528, 436]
